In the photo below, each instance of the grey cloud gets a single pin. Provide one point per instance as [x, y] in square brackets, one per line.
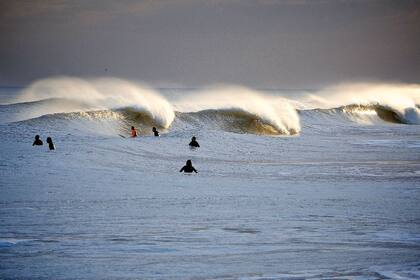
[261, 43]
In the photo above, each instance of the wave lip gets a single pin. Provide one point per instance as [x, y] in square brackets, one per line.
[97, 94]
[234, 120]
[396, 103]
[410, 115]
[230, 108]
[238, 109]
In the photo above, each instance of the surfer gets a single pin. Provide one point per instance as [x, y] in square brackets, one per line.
[50, 143]
[37, 142]
[188, 168]
[155, 131]
[133, 132]
[194, 143]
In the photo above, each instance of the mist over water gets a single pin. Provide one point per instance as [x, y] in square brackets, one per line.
[229, 107]
[259, 110]
[272, 110]
[100, 94]
[401, 99]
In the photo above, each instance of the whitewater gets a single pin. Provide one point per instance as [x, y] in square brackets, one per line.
[291, 184]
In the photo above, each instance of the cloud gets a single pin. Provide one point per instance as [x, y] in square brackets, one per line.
[21, 9]
[200, 41]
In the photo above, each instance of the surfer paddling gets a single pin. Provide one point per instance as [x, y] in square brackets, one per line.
[50, 143]
[37, 142]
[133, 132]
[194, 143]
[155, 132]
[188, 168]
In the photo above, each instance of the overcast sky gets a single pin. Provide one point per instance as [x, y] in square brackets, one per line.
[259, 43]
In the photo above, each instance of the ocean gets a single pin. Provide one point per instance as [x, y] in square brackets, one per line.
[291, 184]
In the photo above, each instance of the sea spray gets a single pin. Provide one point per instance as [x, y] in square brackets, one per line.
[230, 108]
[398, 99]
[268, 111]
[238, 109]
[75, 94]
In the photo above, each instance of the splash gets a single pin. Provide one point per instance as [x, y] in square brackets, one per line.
[261, 111]
[74, 94]
[385, 99]
[230, 108]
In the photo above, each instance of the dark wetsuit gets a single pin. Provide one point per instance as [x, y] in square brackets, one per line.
[51, 146]
[188, 169]
[194, 143]
[37, 142]
[156, 133]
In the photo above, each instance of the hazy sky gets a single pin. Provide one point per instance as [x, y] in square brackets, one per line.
[260, 43]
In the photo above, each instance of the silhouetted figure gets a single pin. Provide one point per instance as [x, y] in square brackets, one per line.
[37, 142]
[50, 143]
[188, 168]
[133, 132]
[155, 131]
[194, 143]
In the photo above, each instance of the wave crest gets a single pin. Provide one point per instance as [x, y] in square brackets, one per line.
[385, 113]
[391, 102]
[97, 94]
[241, 109]
[236, 121]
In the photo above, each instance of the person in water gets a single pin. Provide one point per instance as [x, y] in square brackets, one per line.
[155, 131]
[194, 143]
[37, 142]
[188, 168]
[133, 132]
[50, 143]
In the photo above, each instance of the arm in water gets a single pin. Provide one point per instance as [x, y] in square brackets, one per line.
[188, 168]
[37, 142]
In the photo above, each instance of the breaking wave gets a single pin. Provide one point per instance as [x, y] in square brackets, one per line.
[396, 103]
[233, 120]
[385, 113]
[239, 109]
[118, 104]
[75, 94]
[234, 109]
[121, 120]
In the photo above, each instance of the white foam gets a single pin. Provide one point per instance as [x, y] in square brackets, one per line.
[400, 98]
[276, 111]
[99, 94]
[8, 242]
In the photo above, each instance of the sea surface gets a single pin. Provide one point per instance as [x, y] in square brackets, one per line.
[289, 185]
